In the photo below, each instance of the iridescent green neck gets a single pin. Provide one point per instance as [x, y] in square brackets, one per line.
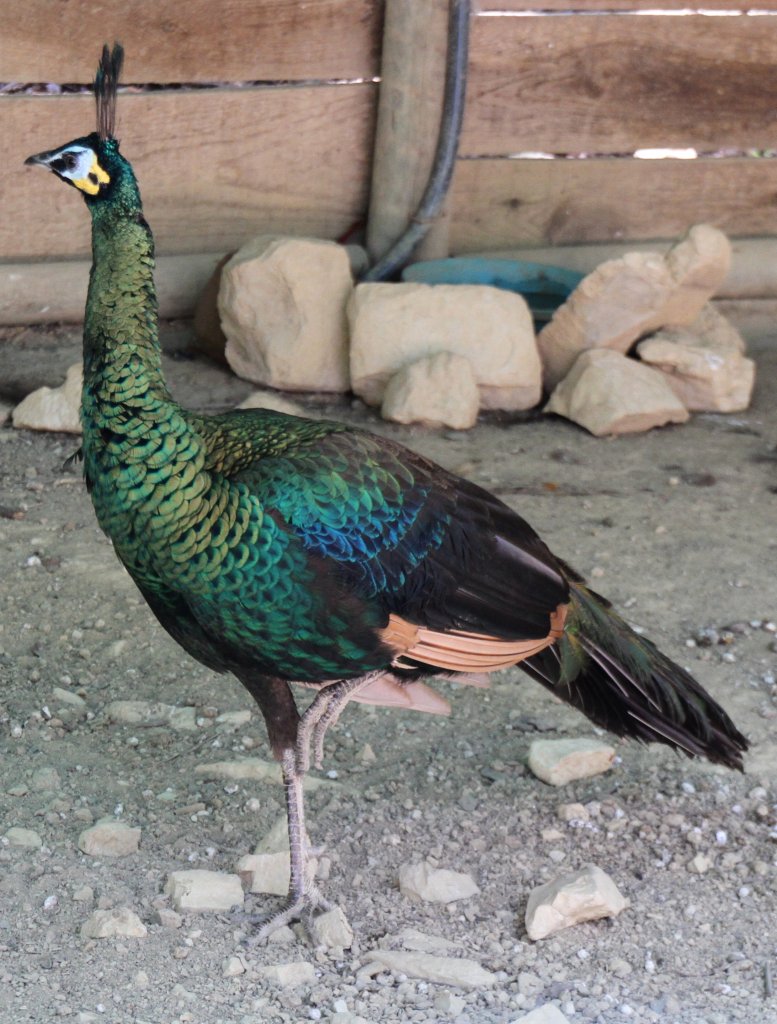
[120, 326]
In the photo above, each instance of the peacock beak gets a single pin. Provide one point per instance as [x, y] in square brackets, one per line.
[39, 159]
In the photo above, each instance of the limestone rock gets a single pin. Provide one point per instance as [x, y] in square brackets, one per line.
[289, 975]
[109, 838]
[256, 770]
[52, 408]
[267, 872]
[435, 885]
[332, 930]
[197, 890]
[109, 924]
[626, 298]
[438, 390]
[607, 393]
[584, 895]
[282, 307]
[442, 970]
[271, 400]
[560, 761]
[233, 966]
[547, 1014]
[145, 714]
[704, 363]
[24, 837]
[396, 324]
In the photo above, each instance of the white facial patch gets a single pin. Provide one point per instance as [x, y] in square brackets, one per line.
[79, 164]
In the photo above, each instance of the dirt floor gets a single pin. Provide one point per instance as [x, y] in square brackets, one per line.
[677, 527]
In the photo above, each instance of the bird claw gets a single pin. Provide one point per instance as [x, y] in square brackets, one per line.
[303, 908]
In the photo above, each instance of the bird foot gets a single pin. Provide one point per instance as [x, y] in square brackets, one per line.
[303, 907]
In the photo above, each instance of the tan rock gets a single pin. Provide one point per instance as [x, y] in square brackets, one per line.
[558, 762]
[396, 324]
[608, 393]
[282, 307]
[441, 970]
[300, 972]
[704, 363]
[584, 895]
[547, 1014]
[438, 390]
[52, 408]
[23, 837]
[109, 838]
[267, 872]
[435, 885]
[109, 924]
[197, 891]
[332, 930]
[626, 298]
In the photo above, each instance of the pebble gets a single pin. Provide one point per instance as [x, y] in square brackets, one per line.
[450, 1005]
[109, 838]
[253, 769]
[145, 714]
[572, 812]
[232, 967]
[460, 973]
[67, 697]
[332, 930]
[108, 924]
[26, 838]
[584, 895]
[435, 885]
[299, 972]
[233, 719]
[45, 780]
[83, 894]
[267, 872]
[198, 891]
[560, 761]
[700, 864]
[409, 938]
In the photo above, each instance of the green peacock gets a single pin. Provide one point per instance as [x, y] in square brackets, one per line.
[285, 550]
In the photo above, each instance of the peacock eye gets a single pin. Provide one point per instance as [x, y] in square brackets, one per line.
[66, 162]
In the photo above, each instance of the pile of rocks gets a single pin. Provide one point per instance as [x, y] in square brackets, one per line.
[636, 345]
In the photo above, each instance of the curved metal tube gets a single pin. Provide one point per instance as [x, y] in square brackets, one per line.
[447, 147]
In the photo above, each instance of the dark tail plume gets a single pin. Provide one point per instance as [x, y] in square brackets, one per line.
[622, 682]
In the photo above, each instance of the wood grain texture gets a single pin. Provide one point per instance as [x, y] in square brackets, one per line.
[614, 84]
[214, 168]
[504, 203]
[197, 41]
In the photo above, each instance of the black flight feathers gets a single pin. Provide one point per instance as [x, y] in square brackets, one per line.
[106, 82]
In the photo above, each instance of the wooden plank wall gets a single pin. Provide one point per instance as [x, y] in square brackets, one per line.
[591, 83]
[215, 165]
[262, 118]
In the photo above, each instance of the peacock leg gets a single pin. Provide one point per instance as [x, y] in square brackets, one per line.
[304, 898]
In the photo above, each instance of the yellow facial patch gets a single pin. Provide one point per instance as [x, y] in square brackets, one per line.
[93, 180]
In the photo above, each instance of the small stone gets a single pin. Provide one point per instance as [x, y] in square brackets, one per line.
[108, 924]
[148, 714]
[265, 872]
[460, 973]
[109, 838]
[608, 393]
[367, 755]
[253, 769]
[572, 812]
[233, 966]
[331, 929]
[282, 307]
[450, 1005]
[435, 885]
[63, 696]
[26, 838]
[560, 761]
[168, 918]
[141, 980]
[700, 864]
[584, 895]
[234, 719]
[272, 400]
[438, 391]
[83, 894]
[198, 891]
[420, 941]
[300, 972]
[45, 780]
[396, 324]
[547, 1014]
[53, 408]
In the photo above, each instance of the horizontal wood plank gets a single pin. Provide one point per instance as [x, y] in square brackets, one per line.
[215, 168]
[614, 84]
[506, 203]
[197, 41]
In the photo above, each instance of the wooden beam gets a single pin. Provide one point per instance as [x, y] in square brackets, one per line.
[214, 167]
[635, 6]
[615, 84]
[39, 293]
[199, 41]
[409, 109]
[505, 203]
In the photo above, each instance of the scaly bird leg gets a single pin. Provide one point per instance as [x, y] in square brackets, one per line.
[304, 898]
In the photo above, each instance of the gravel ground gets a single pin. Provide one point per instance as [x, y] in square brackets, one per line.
[676, 527]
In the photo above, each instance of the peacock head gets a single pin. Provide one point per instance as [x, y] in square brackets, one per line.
[92, 164]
